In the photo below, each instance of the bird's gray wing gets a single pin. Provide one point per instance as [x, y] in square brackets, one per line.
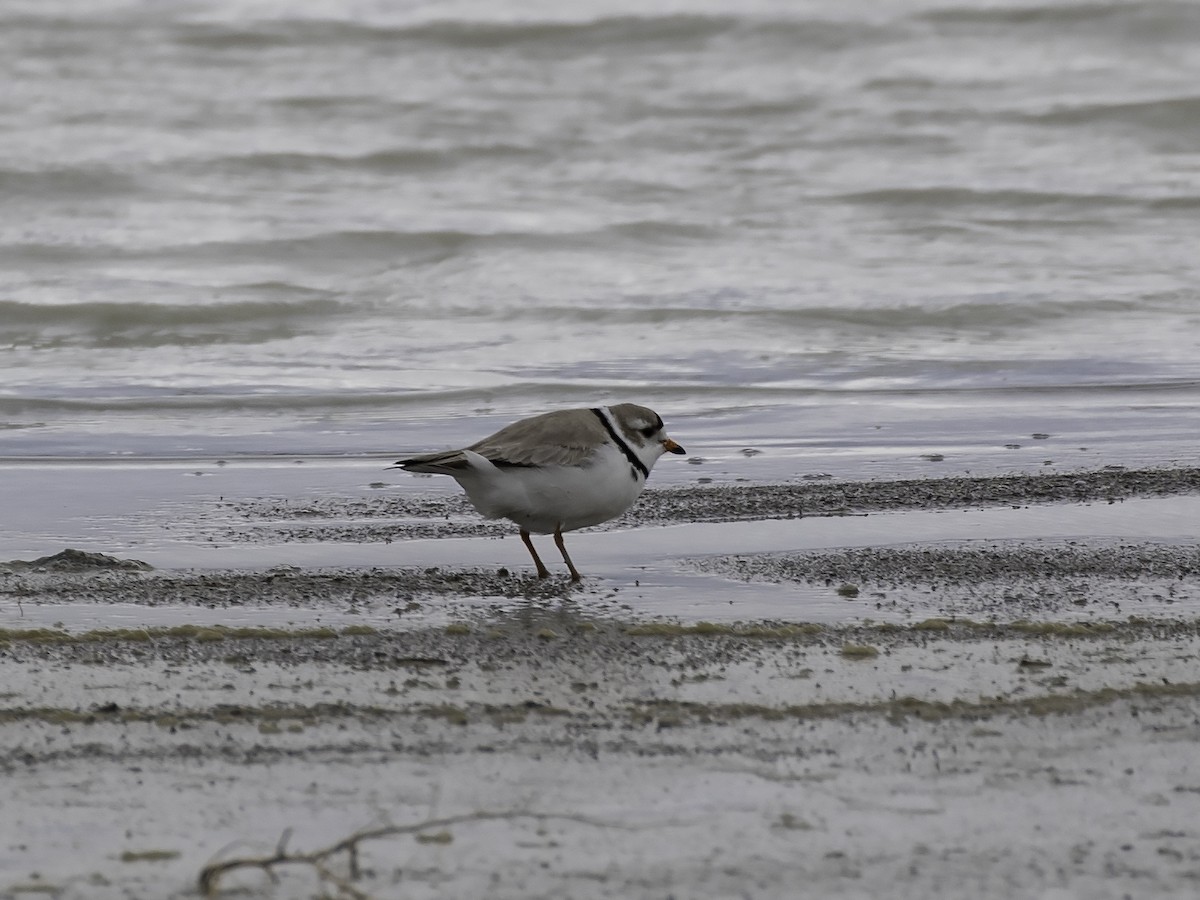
[562, 438]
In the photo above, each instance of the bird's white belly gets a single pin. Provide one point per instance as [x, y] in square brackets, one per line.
[544, 499]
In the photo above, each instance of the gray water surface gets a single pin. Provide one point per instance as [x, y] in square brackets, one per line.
[882, 229]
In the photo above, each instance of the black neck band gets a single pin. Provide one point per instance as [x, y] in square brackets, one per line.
[620, 442]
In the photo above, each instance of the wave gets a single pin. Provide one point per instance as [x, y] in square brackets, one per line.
[464, 34]
[383, 162]
[957, 197]
[986, 315]
[1161, 20]
[340, 245]
[625, 32]
[520, 395]
[273, 398]
[425, 246]
[600, 33]
[74, 183]
[138, 324]
[393, 248]
[1169, 114]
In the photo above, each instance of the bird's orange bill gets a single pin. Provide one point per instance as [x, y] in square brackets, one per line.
[671, 447]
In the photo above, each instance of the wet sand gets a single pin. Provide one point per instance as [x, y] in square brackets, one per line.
[1011, 716]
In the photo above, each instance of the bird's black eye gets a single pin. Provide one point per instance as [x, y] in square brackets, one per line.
[648, 431]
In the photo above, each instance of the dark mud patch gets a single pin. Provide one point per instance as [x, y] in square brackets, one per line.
[383, 518]
[284, 586]
[1000, 580]
[545, 639]
[952, 565]
[737, 502]
[76, 561]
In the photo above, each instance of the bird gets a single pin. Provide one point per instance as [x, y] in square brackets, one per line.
[557, 471]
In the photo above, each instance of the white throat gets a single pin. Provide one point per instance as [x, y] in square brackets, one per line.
[640, 461]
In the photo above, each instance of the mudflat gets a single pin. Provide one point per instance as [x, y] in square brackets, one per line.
[979, 686]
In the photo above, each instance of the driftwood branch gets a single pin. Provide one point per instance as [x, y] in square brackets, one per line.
[317, 860]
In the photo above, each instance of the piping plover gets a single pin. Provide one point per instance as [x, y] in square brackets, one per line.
[558, 471]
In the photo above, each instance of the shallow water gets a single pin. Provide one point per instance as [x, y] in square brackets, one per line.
[880, 230]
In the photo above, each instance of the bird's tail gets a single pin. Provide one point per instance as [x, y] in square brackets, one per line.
[445, 462]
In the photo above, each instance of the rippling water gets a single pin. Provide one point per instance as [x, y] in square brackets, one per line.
[841, 231]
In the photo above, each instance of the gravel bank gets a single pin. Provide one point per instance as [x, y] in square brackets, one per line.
[386, 518]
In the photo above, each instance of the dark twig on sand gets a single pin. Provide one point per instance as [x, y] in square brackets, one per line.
[317, 860]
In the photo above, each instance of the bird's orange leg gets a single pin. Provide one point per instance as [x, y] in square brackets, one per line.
[542, 571]
[562, 548]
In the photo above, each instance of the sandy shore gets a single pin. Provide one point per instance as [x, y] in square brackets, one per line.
[1004, 718]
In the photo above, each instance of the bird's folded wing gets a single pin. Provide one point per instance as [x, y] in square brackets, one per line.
[563, 438]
